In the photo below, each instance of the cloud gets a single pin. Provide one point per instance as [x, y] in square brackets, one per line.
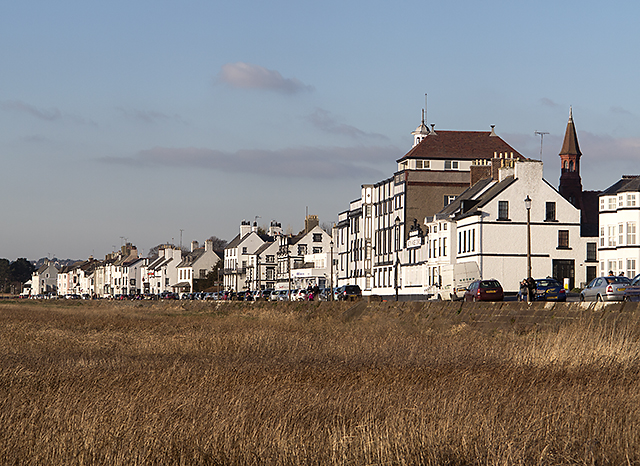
[549, 103]
[301, 162]
[22, 107]
[323, 120]
[248, 76]
[53, 114]
[148, 116]
[620, 111]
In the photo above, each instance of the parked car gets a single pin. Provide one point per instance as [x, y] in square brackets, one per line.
[349, 292]
[632, 292]
[283, 295]
[274, 296]
[550, 289]
[263, 295]
[610, 288]
[484, 290]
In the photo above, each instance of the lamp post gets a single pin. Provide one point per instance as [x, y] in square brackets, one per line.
[527, 204]
[331, 274]
[397, 246]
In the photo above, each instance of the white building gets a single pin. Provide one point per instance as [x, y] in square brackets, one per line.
[45, 279]
[196, 265]
[619, 246]
[487, 224]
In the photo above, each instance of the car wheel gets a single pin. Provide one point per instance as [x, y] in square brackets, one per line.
[581, 298]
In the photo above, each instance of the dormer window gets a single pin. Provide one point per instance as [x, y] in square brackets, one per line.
[450, 164]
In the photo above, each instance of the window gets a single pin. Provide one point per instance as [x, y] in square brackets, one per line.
[631, 268]
[612, 203]
[620, 201]
[591, 252]
[563, 239]
[317, 237]
[550, 212]
[244, 250]
[503, 210]
[620, 234]
[203, 273]
[612, 236]
[444, 246]
[631, 232]
[317, 250]
[601, 236]
[631, 200]
[602, 203]
[450, 164]
[419, 164]
[448, 199]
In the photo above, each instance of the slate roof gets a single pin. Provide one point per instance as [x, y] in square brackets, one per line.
[457, 145]
[625, 184]
[192, 257]
[492, 187]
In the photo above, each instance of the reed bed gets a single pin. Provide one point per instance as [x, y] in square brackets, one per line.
[154, 383]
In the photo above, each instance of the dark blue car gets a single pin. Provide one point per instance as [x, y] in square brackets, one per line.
[549, 289]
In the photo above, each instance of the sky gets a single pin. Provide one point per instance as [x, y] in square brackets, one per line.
[151, 121]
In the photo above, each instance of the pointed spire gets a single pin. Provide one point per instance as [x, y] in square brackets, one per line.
[570, 144]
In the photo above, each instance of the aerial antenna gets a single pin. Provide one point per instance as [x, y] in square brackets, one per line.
[541, 134]
[425, 109]
[181, 230]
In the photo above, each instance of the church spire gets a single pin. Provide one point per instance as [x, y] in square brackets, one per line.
[570, 183]
[570, 144]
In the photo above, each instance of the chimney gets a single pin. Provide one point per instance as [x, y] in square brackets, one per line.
[245, 228]
[254, 227]
[208, 245]
[275, 229]
[194, 245]
[310, 222]
[493, 131]
[479, 171]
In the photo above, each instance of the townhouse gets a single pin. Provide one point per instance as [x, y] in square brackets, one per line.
[196, 265]
[619, 213]
[45, 279]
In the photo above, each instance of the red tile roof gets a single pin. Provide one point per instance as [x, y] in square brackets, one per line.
[461, 145]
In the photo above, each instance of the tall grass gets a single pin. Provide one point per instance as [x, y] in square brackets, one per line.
[173, 384]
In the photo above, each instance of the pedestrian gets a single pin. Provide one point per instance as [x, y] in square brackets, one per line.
[531, 288]
[524, 291]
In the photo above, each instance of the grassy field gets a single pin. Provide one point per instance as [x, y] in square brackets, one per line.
[196, 383]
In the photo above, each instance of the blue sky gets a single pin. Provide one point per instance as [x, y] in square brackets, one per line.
[139, 119]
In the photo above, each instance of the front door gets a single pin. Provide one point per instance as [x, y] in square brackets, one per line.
[564, 268]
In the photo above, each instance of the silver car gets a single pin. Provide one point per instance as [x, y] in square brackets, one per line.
[609, 288]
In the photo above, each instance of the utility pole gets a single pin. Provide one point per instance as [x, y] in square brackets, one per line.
[541, 134]
[181, 230]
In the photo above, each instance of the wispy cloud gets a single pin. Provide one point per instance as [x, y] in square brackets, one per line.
[302, 162]
[249, 76]
[549, 103]
[620, 111]
[53, 114]
[324, 120]
[148, 116]
[22, 107]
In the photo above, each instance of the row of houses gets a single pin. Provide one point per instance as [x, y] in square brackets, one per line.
[463, 201]
[459, 201]
[124, 272]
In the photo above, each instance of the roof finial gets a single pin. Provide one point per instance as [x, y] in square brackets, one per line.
[570, 113]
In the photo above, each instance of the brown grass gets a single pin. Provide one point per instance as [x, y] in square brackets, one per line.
[104, 383]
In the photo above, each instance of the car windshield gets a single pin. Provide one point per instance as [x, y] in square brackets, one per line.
[489, 284]
[618, 280]
[546, 283]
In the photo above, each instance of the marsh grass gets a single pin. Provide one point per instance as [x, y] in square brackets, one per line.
[104, 383]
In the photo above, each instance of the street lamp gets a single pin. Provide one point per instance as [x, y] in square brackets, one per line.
[331, 275]
[397, 222]
[527, 204]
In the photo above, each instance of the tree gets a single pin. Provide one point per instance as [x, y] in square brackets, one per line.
[218, 243]
[212, 278]
[21, 270]
[5, 275]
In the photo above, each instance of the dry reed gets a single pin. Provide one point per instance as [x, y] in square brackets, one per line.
[108, 383]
